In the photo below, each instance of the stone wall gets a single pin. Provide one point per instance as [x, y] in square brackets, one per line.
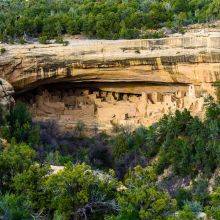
[104, 109]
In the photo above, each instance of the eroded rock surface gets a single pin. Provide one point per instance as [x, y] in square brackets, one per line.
[6, 94]
[133, 81]
[188, 59]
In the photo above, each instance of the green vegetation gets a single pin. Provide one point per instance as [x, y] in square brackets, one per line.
[142, 199]
[166, 171]
[18, 126]
[213, 209]
[106, 19]
[106, 177]
[191, 141]
[43, 40]
[2, 50]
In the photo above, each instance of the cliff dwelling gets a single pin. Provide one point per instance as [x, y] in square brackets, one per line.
[101, 106]
[107, 83]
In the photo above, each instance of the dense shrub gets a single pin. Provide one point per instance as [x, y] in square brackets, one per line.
[200, 190]
[13, 207]
[141, 199]
[2, 116]
[100, 156]
[13, 160]
[100, 19]
[18, 126]
[186, 214]
[43, 39]
[79, 192]
[132, 148]
[213, 209]
[193, 142]
[2, 50]
[186, 145]
[213, 111]
[29, 186]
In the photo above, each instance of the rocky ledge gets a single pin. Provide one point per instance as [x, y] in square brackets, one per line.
[187, 59]
[154, 71]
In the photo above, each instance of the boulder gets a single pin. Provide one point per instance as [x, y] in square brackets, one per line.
[6, 92]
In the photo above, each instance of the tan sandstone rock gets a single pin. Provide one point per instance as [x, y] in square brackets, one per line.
[111, 82]
[6, 92]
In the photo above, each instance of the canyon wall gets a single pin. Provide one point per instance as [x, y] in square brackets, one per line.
[6, 94]
[143, 69]
[185, 59]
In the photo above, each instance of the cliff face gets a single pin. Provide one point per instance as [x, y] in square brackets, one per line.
[129, 67]
[6, 92]
[187, 59]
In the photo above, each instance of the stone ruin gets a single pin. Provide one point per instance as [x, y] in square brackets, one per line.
[103, 109]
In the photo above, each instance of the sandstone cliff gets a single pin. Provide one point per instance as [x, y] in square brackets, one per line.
[6, 93]
[179, 60]
[131, 80]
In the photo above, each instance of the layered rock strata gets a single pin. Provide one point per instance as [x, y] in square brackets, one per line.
[6, 94]
[142, 69]
[187, 59]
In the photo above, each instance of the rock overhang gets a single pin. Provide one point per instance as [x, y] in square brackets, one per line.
[186, 59]
[104, 83]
